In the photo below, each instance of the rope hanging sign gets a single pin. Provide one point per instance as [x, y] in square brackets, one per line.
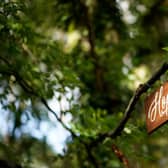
[156, 108]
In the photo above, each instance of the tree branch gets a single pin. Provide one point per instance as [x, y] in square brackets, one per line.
[56, 116]
[28, 89]
[140, 90]
[112, 134]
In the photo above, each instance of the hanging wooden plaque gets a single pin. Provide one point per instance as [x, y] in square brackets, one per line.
[156, 108]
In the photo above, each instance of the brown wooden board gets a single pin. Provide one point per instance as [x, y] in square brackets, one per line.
[156, 108]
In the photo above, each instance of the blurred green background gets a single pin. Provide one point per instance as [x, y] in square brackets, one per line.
[71, 66]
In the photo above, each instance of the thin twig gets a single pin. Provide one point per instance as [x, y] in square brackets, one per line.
[28, 89]
[56, 116]
[120, 156]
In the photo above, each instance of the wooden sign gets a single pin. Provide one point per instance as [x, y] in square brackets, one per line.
[156, 108]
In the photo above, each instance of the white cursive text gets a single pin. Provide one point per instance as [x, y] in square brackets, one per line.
[159, 105]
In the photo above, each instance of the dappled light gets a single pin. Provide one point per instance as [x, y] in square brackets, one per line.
[75, 76]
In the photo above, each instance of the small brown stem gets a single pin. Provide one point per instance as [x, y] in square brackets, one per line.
[120, 156]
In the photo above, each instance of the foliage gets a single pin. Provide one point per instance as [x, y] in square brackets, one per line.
[91, 55]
